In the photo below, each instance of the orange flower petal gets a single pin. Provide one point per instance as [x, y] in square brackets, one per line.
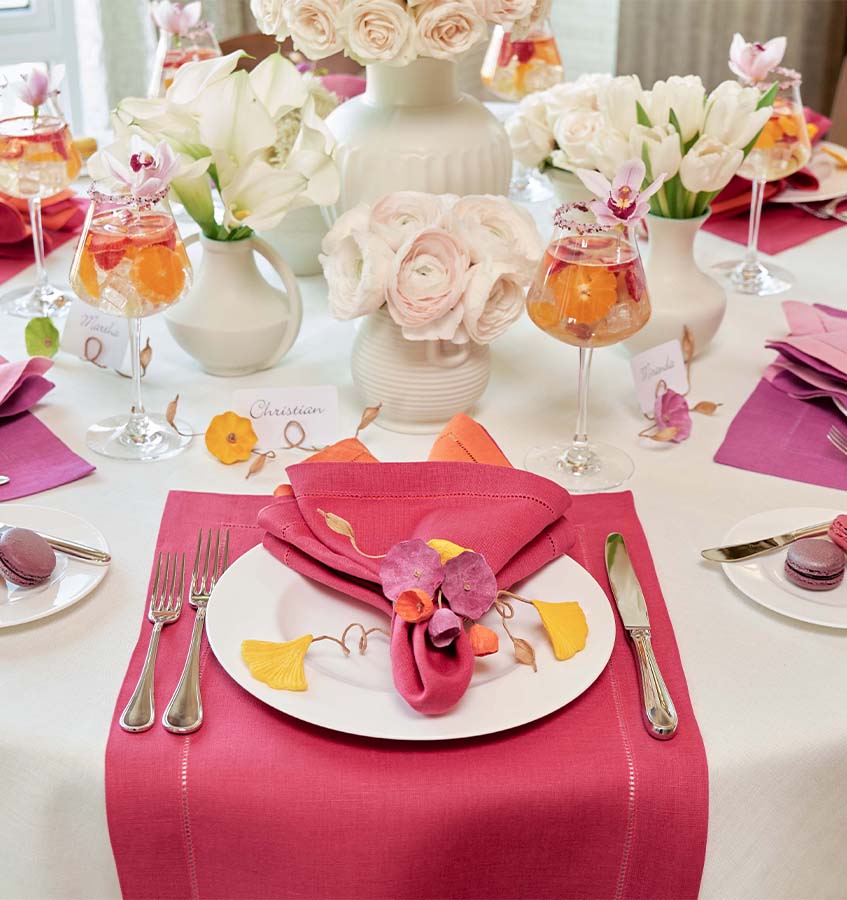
[483, 640]
[414, 605]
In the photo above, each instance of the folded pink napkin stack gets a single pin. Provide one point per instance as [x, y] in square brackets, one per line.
[22, 384]
[516, 520]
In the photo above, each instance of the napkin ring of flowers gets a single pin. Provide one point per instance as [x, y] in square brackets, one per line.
[438, 582]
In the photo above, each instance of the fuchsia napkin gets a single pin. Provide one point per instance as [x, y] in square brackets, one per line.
[32, 457]
[513, 518]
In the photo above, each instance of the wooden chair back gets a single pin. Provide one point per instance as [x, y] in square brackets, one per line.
[261, 45]
[838, 132]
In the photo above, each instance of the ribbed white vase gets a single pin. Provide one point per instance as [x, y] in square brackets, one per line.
[413, 129]
[421, 384]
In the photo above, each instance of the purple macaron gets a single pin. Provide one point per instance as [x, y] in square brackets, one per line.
[814, 564]
[838, 532]
[26, 558]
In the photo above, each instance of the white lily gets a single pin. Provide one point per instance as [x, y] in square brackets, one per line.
[193, 78]
[663, 149]
[278, 85]
[259, 196]
[731, 114]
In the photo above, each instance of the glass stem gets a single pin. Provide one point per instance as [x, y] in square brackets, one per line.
[757, 199]
[579, 456]
[136, 428]
[41, 287]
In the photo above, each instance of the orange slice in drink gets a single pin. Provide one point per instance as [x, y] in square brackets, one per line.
[585, 294]
[87, 274]
[158, 274]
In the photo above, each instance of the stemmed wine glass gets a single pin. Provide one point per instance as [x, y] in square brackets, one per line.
[183, 37]
[590, 291]
[782, 148]
[37, 160]
[131, 262]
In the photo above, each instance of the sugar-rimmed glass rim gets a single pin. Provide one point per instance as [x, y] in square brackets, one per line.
[564, 221]
[127, 198]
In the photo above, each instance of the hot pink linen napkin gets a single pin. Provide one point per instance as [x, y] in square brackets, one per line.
[580, 804]
[513, 518]
[22, 384]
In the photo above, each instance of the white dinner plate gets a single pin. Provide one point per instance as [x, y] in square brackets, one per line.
[77, 580]
[260, 599]
[832, 180]
[763, 578]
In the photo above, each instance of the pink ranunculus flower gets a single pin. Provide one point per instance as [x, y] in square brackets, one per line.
[754, 62]
[428, 278]
[176, 18]
[671, 411]
[623, 201]
[37, 86]
[148, 170]
[356, 272]
[399, 216]
[493, 301]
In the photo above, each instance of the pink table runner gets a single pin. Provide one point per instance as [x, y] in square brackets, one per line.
[257, 804]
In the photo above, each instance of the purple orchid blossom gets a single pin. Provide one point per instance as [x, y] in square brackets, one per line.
[622, 202]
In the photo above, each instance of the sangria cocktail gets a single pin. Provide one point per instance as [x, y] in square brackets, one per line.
[516, 67]
[175, 50]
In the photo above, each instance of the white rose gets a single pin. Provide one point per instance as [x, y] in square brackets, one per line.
[503, 12]
[529, 132]
[311, 24]
[608, 150]
[731, 114]
[685, 96]
[357, 272]
[269, 17]
[573, 132]
[493, 228]
[663, 149]
[493, 301]
[398, 217]
[378, 31]
[618, 101]
[447, 28]
[709, 165]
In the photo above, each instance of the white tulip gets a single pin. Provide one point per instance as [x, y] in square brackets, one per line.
[685, 96]
[617, 102]
[731, 114]
[663, 149]
[608, 150]
[709, 165]
[529, 133]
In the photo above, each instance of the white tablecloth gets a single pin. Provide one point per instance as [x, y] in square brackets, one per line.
[768, 692]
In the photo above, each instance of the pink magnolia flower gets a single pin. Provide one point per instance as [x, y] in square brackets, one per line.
[754, 62]
[38, 86]
[671, 411]
[176, 18]
[623, 201]
[148, 170]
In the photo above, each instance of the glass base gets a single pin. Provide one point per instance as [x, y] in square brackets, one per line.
[580, 469]
[758, 280]
[32, 303]
[144, 438]
[527, 186]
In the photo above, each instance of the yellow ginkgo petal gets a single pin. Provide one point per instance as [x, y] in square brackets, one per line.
[279, 666]
[565, 624]
[446, 549]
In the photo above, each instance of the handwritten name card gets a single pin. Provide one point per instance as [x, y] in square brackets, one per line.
[95, 336]
[273, 410]
[661, 363]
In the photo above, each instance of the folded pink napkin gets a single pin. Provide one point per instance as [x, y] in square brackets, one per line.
[22, 384]
[513, 518]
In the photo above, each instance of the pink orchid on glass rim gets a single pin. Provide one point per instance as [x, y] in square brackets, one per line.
[176, 18]
[622, 202]
[37, 86]
[147, 171]
[671, 411]
[754, 62]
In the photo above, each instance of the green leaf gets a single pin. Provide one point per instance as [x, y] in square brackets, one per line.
[195, 194]
[645, 158]
[675, 122]
[41, 337]
[641, 113]
[768, 97]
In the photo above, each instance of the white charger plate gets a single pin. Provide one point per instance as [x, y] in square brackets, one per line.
[763, 578]
[832, 180]
[260, 599]
[79, 578]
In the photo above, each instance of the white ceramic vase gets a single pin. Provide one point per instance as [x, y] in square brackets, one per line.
[413, 129]
[567, 187]
[421, 384]
[233, 322]
[298, 236]
[680, 293]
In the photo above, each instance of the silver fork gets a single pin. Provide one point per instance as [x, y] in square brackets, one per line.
[838, 439]
[184, 713]
[828, 211]
[165, 606]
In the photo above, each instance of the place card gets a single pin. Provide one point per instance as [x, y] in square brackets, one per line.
[95, 336]
[662, 363]
[290, 417]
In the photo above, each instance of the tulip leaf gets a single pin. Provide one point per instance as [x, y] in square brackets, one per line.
[672, 118]
[768, 97]
[641, 114]
[41, 337]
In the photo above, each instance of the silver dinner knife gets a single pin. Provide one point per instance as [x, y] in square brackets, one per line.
[738, 552]
[70, 548]
[660, 716]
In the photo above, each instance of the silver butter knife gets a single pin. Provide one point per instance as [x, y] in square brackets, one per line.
[738, 552]
[70, 548]
[660, 716]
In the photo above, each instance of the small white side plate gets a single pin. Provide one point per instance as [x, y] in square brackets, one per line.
[763, 578]
[79, 579]
[259, 598]
[832, 180]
